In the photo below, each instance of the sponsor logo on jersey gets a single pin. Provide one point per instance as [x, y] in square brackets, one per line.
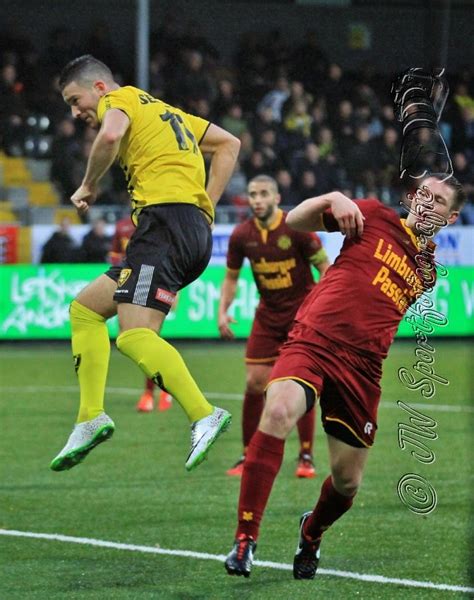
[124, 275]
[284, 242]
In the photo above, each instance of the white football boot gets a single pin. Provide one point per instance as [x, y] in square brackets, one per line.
[84, 437]
[204, 433]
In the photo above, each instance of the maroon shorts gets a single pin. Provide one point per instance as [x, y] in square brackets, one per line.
[346, 382]
[266, 339]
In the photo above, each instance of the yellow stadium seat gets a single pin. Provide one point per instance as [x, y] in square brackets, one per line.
[15, 171]
[7, 216]
[70, 213]
[42, 193]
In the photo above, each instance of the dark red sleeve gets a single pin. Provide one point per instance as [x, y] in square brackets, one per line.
[308, 243]
[367, 207]
[235, 254]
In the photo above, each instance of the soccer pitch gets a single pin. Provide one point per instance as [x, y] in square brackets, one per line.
[155, 531]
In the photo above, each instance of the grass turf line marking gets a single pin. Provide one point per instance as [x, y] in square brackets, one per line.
[217, 396]
[220, 557]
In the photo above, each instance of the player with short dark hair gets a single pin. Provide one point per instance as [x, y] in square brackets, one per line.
[334, 353]
[280, 259]
[160, 148]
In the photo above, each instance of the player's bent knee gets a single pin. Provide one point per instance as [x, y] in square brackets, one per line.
[346, 481]
[280, 414]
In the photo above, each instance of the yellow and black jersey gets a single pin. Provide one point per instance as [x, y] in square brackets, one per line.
[160, 152]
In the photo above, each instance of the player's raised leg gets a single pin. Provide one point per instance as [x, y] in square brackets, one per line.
[337, 494]
[161, 362]
[285, 404]
[91, 351]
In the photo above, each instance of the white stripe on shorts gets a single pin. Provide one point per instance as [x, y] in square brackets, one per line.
[143, 285]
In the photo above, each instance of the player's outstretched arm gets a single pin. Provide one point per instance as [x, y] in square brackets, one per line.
[308, 216]
[224, 148]
[228, 292]
[103, 153]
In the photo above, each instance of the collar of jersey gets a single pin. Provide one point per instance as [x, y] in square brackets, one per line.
[413, 237]
[274, 225]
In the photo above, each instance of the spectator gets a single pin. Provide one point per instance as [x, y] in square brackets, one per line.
[267, 144]
[327, 145]
[275, 99]
[256, 165]
[60, 248]
[225, 97]
[192, 82]
[311, 161]
[13, 110]
[65, 150]
[158, 64]
[334, 89]
[289, 195]
[344, 125]
[297, 92]
[310, 186]
[263, 120]
[96, 244]
[233, 120]
[246, 146]
[297, 124]
[464, 172]
[388, 151]
[237, 186]
[362, 159]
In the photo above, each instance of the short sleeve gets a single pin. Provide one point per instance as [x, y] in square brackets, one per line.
[367, 207]
[199, 126]
[309, 245]
[235, 254]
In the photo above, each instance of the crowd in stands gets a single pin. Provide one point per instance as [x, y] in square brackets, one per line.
[299, 116]
[62, 248]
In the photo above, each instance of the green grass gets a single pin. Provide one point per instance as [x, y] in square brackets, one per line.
[134, 489]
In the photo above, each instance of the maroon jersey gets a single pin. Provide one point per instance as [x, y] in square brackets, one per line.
[123, 232]
[365, 293]
[280, 259]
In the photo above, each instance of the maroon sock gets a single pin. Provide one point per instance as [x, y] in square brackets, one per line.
[251, 413]
[149, 385]
[306, 432]
[262, 463]
[331, 505]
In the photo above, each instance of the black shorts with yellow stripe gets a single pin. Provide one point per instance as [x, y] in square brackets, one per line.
[170, 247]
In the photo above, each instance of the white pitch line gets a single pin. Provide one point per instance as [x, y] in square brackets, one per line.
[220, 557]
[30, 389]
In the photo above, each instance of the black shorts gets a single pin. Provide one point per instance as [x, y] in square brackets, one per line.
[169, 249]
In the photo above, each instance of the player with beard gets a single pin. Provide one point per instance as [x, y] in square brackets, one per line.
[280, 259]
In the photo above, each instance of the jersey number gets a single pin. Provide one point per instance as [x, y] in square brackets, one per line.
[180, 130]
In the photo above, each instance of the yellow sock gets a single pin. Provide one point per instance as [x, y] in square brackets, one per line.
[160, 361]
[91, 351]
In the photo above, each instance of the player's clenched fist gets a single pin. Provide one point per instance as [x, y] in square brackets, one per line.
[347, 214]
[83, 197]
